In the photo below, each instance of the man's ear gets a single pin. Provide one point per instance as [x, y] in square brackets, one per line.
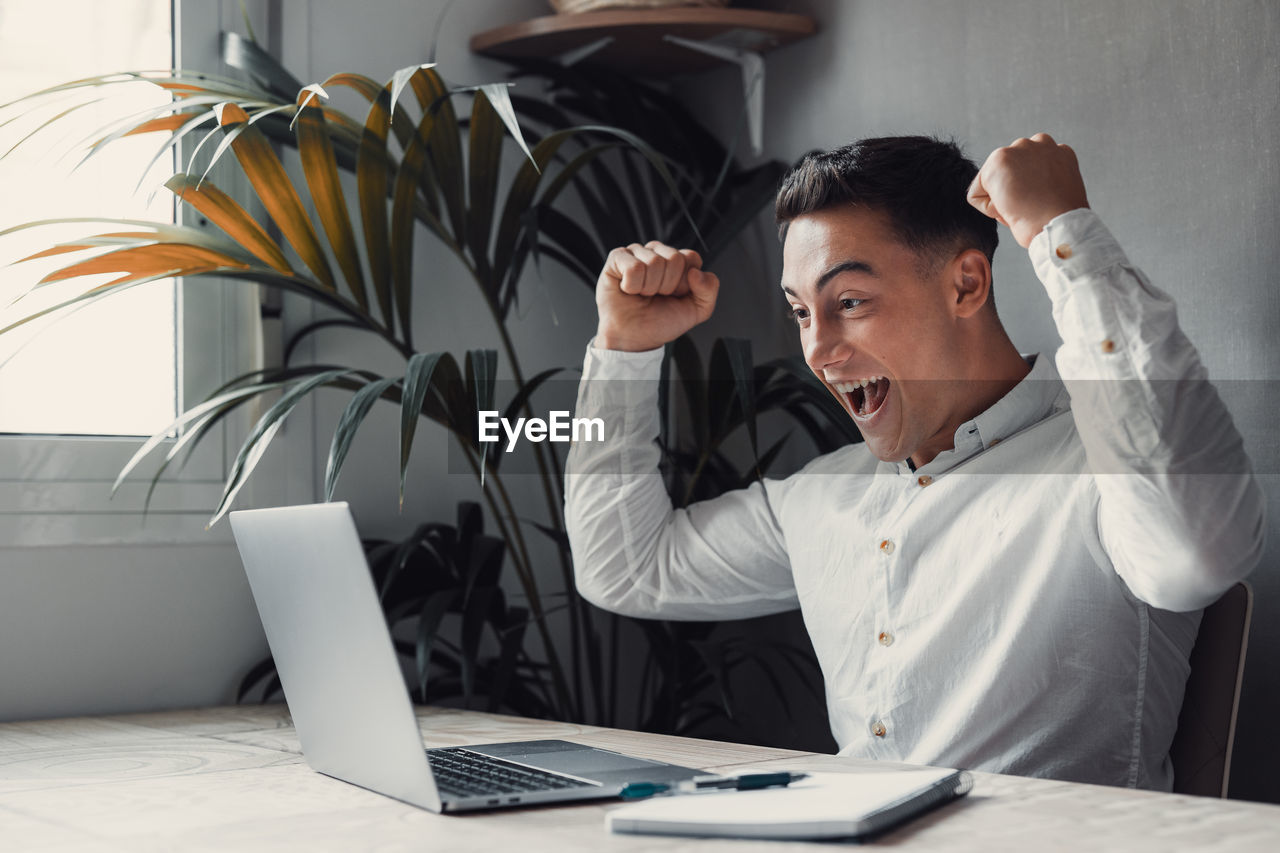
[970, 281]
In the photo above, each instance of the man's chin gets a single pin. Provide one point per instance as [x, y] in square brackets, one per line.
[883, 449]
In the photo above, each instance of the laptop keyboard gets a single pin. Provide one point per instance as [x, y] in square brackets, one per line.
[466, 773]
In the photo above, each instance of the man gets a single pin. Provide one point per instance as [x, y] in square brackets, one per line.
[1007, 574]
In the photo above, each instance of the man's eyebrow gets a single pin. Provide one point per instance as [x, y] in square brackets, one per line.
[838, 269]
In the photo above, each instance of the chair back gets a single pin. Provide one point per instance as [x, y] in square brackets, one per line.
[1201, 749]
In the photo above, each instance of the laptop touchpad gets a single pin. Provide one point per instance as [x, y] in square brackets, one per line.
[563, 757]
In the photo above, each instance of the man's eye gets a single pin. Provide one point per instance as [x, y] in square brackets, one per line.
[849, 304]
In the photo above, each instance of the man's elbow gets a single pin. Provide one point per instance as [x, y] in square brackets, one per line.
[617, 596]
[1198, 574]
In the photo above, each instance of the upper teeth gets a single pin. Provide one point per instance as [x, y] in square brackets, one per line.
[849, 387]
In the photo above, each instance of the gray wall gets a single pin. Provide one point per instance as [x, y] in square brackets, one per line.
[1172, 109]
[113, 628]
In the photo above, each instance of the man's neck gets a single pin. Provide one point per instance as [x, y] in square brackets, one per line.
[1002, 368]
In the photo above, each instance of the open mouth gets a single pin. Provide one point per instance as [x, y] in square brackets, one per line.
[865, 396]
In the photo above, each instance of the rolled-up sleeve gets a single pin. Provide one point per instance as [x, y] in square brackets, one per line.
[634, 553]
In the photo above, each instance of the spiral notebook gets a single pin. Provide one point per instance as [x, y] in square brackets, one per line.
[826, 805]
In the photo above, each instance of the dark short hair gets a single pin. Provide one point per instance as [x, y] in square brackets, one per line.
[919, 182]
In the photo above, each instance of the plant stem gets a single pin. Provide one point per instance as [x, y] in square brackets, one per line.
[524, 569]
[554, 499]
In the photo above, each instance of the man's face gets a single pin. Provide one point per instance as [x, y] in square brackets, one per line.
[876, 328]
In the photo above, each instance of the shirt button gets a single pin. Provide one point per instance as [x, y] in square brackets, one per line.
[1108, 346]
[924, 480]
[885, 638]
[878, 729]
[887, 546]
[1063, 251]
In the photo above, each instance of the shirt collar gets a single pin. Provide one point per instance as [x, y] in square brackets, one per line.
[1039, 394]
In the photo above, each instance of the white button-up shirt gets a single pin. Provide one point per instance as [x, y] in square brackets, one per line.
[1009, 606]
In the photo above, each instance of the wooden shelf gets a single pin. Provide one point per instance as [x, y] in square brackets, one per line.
[638, 46]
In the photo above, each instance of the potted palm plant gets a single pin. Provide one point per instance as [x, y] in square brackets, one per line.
[418, 165]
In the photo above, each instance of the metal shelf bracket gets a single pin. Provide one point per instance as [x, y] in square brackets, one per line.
[752, 65]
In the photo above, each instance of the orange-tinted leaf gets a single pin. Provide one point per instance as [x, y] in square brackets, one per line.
[371, 90]
[223, 211]
[275, 189]
[445, 147]
[149, 260]
[169, 123]
[179, 87]
[138, 235]
[60, 249]
[321, 169]
[372, 180]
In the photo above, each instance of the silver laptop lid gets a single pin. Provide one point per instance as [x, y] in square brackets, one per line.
[332, 649]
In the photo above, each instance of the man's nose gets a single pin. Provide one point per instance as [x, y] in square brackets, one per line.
[824, 347]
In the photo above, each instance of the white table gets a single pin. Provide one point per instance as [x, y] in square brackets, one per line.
[233, 779]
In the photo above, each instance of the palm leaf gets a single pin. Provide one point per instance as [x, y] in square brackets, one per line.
[170, 123]
[348, 425]
[296, 339]
[521, 397]
[146, 262]
[261, 435]
[484, 161]
[275, 189]
[192, 424]
[417, 379]
[401, 78]
[689, 364]
[433, 612]
[402, 215]
[320, 167]
[371, 90]
[499, 98]
[242, 53]
[170, 145]
[481, 367]
[45, 124]
[445, 148]
[737, 356]
[511, 641]
[372, 180]
[227, 137]
[568, 235]
[474, 614]
[223, 211]
[523, 189]
[151, 119]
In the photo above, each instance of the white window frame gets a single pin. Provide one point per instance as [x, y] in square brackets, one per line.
[55, 490]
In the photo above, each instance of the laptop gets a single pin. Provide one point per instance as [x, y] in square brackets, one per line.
[346, 692]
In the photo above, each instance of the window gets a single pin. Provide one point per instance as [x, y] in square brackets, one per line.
[61, 446]
[109, 368]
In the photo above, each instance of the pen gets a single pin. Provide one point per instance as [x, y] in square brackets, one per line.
[707, 784]
[745, 782]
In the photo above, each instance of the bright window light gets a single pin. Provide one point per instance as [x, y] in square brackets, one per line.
[109, 368]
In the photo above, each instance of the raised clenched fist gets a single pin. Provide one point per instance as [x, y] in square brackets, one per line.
[651, 294]
[1027, 183]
